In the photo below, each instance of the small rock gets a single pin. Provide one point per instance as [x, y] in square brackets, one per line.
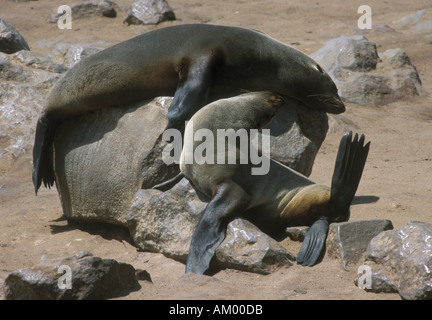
[349, 240]
[297, 233]
[11, 40]
[90, 278]
[401, 260]
[149, 12]
[299, 290]
[87, 9]
[414, 19]
[37, 61]
[70, 54]
[143, 275]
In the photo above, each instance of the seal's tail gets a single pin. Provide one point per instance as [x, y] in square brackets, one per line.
[43, 170]
[350, 161]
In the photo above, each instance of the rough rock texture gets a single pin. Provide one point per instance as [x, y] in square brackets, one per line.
[401, 261]
[349, 240]
[149, 12]
[87, 9]
[363, 76]
[246, 248]
[165, 221]
[11, 40]
[90, 278]
[102, 158]
[25, 79]
[70, 54]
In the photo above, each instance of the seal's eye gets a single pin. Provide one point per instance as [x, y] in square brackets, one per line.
[319, 68]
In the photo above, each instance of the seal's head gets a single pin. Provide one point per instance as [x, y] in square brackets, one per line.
[322, 93]
[310, 84]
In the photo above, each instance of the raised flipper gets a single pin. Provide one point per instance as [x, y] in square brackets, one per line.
[229, 200]
[192, 92]
[350, 162]
[43, 170]
[313, 243]
[166, 185]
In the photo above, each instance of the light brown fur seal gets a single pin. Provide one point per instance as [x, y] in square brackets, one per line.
[273, 201]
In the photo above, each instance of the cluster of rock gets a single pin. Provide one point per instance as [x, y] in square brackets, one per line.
[140, 12]
[366, 77]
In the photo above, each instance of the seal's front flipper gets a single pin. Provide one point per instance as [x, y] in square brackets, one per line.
[229, 200]
[195, 74]
[313, 243]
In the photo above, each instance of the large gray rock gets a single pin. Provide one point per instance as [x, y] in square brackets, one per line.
[86, 277]
[103, 158]
[165, 221]
[149, 12]
[365, 77]
[11, 40]
[349, 240]
[25, 79]
[401, 261]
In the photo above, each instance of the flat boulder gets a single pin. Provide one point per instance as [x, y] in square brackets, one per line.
[79, 277]
[349, 240]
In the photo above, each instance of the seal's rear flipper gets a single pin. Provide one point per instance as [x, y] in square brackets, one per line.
[313, 243]
[43, 170]
[350, 161]
[229, 200]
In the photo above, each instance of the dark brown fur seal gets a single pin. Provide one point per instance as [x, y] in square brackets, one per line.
[196, 64]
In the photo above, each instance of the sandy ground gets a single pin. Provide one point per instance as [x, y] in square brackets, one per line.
[398, 171]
